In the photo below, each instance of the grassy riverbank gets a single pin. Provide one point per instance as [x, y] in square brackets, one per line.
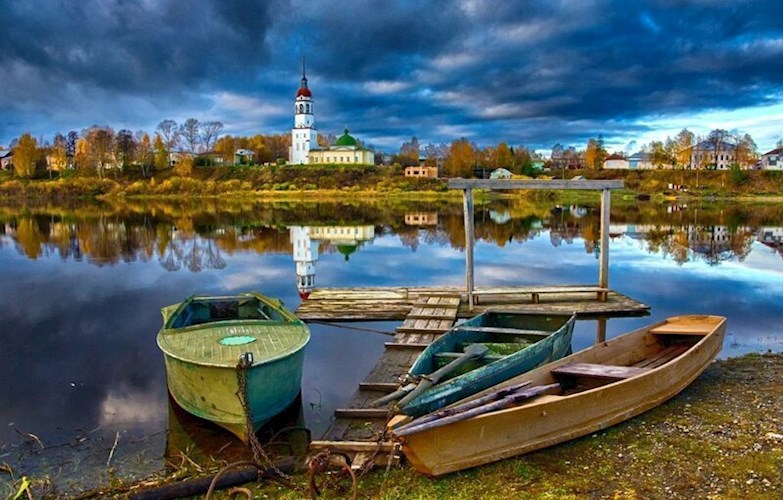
[329, 182]
[720, 438]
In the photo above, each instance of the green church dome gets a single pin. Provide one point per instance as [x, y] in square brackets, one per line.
[345, 139]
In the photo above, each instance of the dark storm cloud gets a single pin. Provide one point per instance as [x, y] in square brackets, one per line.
[525, 72]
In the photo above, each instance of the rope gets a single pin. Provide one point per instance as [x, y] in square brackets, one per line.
[260, 458]
[357, 328]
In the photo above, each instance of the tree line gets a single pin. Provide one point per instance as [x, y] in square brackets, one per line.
[673, 152]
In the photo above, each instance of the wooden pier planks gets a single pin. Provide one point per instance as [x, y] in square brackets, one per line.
[402, 303]
[357, 422]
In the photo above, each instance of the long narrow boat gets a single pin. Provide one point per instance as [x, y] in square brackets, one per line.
[590, 390]
[516, 343]
[203, 339]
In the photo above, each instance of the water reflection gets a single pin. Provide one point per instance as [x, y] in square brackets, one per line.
[83, 285]
[196, 242]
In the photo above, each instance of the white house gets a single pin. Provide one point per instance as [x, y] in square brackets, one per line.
[613, 162]
[718, 156]
[640, 161]
[772, 160]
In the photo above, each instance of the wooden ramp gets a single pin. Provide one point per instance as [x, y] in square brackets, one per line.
[357, 430]
[397, 303]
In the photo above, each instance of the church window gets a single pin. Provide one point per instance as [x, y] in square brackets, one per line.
[301, 108]
[308, 108]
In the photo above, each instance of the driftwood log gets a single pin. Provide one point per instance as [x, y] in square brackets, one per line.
[199, 486]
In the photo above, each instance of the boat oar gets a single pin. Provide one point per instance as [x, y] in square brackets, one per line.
[493, 396]
[473, 351]
[394, 396]
[509, 400]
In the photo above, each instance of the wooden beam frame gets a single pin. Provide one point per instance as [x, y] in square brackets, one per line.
[468, 185]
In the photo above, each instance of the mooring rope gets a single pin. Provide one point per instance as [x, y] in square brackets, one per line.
[358, 328]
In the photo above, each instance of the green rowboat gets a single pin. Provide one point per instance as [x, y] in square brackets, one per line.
[203, 339]
[515, 342]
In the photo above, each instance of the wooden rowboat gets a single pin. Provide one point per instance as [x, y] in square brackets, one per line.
[603, 385]
[203, 340]
[516, 343]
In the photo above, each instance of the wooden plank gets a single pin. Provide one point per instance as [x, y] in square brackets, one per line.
[511, 331]
[662, 356]
[554, 184]
[406, 345]
[683, 329]
[379, 386]
[606, 372]
[360, 446]
[361, 413]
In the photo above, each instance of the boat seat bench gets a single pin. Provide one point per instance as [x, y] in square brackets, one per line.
[535, 294]
[662, 357]
[511, 331]
[596, 371]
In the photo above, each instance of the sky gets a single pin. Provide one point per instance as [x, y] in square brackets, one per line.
[530, 73]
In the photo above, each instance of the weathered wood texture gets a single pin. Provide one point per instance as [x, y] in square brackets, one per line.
[553, 184]
[396, 303]
[429, 317]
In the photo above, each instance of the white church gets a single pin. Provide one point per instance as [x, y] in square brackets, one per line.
[304, 148]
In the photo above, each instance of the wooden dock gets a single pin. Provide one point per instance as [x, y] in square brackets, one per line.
[396, 303]
[427, 312]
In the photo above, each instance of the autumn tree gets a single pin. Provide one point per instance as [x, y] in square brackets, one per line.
[145, 153]
[190, 133]
[503, 156]
[100, 150]
[26, 156]
[169, 134]
[718, 140]
[745, 149]
[125, 148]
[409, 153]
[161, 153]
[684, 142]
[592, 154]
[461, 158]
[58, 155]
[210, 131]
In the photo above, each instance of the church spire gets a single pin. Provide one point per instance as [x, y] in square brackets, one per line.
[304, 77]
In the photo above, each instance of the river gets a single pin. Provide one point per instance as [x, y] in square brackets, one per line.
[82, 286]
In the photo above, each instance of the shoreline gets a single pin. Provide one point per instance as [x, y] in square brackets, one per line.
[715, 439]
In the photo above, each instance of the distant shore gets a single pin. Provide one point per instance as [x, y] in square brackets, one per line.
[323, 182]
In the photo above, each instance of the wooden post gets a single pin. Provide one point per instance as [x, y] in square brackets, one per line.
[603, 271]
[468, 209]
[600, 331]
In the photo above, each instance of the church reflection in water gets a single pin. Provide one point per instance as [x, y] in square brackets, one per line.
[307, 242]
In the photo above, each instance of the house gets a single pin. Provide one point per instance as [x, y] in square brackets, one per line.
[176, 157]
[244, 157]
[615, 161]
[500, 173]
[6, 159]
[640, 161]
[716, 156]
[422, 171]
[209, 158]
[772, 160]
[346, 150]
[537, 164]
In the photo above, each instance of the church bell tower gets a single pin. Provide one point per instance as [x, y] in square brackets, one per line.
[303, 135]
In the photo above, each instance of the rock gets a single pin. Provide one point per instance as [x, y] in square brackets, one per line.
[774, 436]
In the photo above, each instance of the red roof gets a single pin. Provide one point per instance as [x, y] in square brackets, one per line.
[303, 91]
[773, 152]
